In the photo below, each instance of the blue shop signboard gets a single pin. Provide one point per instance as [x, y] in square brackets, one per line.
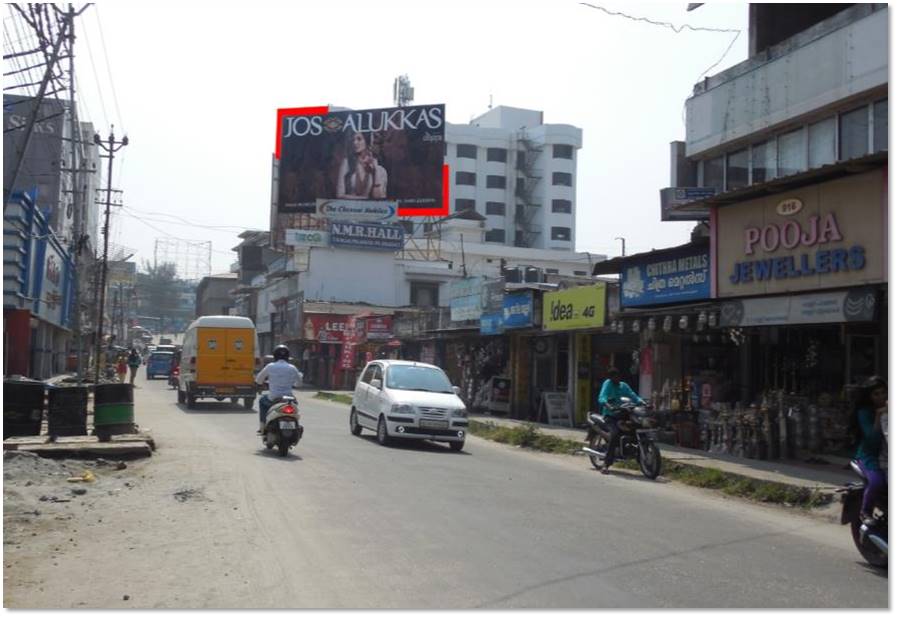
[517, 311]
[491, 323]
[370, 236]
[681, 275]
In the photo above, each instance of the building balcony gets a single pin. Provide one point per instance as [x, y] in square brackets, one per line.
[838, 59]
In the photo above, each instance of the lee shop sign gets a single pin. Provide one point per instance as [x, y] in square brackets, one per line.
[825, 236]
[325, 328]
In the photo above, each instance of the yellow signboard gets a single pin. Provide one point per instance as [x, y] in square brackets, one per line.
[578, 307]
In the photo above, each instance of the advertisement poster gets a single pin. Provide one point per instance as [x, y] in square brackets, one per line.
[671, 276]
[465, 299]
[577, 307]
[306, 237]
[378, 328]
[517, 311]
[358, 211]
[394, 154]
[858, 304]
[325, 328]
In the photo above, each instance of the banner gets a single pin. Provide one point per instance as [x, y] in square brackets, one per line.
[492, 296]
[841, 306]
[367, 236]
[358, 210]
[465, 299]
[670, 276]
[491, 323]
[517, 311]
[393, 154]
[577, 307]
[306, 237]
[378, 328]
[325, 328]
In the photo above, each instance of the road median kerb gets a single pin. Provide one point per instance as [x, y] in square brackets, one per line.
[334, 397]
[808, 499]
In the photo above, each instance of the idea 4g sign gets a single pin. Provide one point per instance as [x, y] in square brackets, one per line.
[579, 307]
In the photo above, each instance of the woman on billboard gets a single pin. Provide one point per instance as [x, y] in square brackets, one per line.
[360, 175]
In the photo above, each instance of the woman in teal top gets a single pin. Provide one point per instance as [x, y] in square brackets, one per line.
[872, 405]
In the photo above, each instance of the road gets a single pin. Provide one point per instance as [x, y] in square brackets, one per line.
[215, 521]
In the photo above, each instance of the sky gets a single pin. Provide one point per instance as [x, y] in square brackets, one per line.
[196, 88]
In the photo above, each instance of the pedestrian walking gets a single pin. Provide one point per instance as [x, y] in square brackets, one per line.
[121, 368]
[133, 363]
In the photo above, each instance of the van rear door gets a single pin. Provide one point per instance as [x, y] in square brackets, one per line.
[240, 356]
[211, 355]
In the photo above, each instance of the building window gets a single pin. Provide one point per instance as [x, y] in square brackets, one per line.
[499, 155]
[562, 151]
[822, 143]
[465, 204]
[737, 170]
[496, 182]
[560, 233]
[521, 160]
[854, 133]
[763, 161]
[466, 151]
[580, 273]
[495, 235]
[792, 152]
[521, 185]
[561, 178]
[561, 206]
[495, 207]
[424, 294]
[551, 271]
[880, 126]
[466, 177]
[713, 173]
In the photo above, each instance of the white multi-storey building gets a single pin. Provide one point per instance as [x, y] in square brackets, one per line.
[518, 172]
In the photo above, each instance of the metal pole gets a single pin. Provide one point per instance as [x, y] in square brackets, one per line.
[79, 234]
[623, 241]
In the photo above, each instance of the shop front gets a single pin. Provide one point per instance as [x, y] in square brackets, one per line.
[801, 281]
[323, 338]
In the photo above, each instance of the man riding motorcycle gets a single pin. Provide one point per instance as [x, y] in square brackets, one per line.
[612, 391]
[281, 376]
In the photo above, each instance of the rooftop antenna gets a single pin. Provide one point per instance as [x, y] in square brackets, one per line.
[490, 100]
[402, 92]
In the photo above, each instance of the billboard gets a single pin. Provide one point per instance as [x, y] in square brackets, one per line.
[393, 154]
[577, 307]
[367, 236]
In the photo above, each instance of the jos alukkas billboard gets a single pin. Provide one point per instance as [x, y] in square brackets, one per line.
[393, 154]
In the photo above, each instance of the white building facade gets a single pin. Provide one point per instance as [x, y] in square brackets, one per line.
[518, 172]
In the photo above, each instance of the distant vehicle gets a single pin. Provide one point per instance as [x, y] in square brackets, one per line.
[164, 341]
[159, 363]
[171, 348]
[408, 400]
[218, 359]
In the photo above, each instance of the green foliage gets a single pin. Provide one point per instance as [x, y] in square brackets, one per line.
[337, 398]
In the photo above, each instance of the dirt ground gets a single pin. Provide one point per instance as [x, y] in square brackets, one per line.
[46, 514]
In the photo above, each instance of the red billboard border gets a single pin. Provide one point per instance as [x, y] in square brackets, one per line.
[323, 111]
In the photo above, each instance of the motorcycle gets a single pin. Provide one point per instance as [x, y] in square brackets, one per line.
[637, 435]
[870, 540]
[173, 377]
[282, 427]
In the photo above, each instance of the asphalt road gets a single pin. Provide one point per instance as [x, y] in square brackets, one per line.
[345, 523]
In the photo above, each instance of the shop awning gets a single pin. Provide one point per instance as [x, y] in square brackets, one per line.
[618, 264]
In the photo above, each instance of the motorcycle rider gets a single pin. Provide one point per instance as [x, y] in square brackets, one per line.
[871, 412]
[281, 376]
[612, 390]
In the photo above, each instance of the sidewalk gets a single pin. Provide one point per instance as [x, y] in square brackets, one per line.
[825, 478]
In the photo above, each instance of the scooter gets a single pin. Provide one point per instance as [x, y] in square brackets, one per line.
[173, 377]
[282, 427]
[870, 540]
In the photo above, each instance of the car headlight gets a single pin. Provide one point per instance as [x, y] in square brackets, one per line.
[459, 413]
[403, 409]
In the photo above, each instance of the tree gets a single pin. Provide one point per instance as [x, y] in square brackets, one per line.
[158, 288]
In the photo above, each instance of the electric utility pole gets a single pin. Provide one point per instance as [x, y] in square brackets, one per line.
[112, 147]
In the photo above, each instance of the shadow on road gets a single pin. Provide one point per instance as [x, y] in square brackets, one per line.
[216, 408]
[633, 475]
[417, 445]
[272, 454]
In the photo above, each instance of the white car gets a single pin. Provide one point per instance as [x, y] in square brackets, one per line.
[408, 400]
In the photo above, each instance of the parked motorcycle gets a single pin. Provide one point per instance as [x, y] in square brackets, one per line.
[637, 435]
[173, 376]
[282, 427]
[870, 540]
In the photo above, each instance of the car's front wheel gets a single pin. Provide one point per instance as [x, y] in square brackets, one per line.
[354, 426]
[456, 446]
[383, 437]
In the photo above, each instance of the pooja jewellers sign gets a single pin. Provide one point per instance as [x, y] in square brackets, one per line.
[829, 235]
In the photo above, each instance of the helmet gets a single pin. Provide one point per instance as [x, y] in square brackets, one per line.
[281, 352]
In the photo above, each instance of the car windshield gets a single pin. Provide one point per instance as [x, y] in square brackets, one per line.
[423, 378]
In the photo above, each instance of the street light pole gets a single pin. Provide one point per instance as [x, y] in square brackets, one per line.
[623, 241]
